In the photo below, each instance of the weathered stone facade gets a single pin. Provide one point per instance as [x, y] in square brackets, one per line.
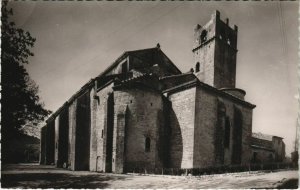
[215, 50]
[267, 148]
[143, 112]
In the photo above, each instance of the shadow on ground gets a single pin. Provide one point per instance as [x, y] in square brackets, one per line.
[40, 176]
[26, 167]
[52, 180]
[289, 184]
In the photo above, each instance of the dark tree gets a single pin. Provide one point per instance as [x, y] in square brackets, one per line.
[20, 101]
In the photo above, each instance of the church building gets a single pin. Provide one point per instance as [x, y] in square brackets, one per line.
[143, 112]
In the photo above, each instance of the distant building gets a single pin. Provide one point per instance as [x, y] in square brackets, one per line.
[267, 148]
[143, 112]
[295, 157]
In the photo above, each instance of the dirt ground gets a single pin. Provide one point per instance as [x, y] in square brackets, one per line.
[36, 176]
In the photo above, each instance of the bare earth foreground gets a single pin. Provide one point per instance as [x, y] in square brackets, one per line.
[36, 176]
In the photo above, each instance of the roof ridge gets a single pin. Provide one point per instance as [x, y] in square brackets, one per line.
[171, 76]
[134, 51]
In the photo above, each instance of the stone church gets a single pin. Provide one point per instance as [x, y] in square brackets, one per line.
[143, 112]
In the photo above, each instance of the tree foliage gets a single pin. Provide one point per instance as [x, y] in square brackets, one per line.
[20, 100]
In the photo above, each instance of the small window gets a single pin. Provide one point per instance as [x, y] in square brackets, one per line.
[102, 133]
[222, 33]
[197, 67]
[151, 104]
[203, 36]
[147, 144]
[228, 41]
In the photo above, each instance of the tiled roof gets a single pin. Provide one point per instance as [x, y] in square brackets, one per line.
[139, 53]
[262, 136]
[196, 81]
[135, 78]
[89, 84]
[262, 147]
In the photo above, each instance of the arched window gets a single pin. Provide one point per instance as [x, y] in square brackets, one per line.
[228, 41]
[197, 67]
[147, 144]
[203, 36]
[222, 34]
[227, 133]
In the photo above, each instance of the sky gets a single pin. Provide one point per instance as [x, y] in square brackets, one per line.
[76, 41]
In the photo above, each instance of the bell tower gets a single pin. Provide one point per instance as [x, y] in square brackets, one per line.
[215, 50]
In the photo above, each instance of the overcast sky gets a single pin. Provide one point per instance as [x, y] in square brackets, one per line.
[78, 40]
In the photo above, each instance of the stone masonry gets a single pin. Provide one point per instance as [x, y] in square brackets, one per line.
[267, 148]
[142, 112]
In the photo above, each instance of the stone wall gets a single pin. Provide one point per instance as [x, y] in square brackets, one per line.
[78, 118]
[205, 56]
[108, 130]
[215, 51]
[225, 55]
[50, 144]
[137, 118]
[267, 150]
[205, 128]
[61, 127]
[119, 138]
[42, 145]
[225, 65]
[216, 119]
[72, 134]
[82, 132]
[279, 148]
[246, 133]
[63, 119]
[182, 119]
[99, 126]
[56, 136]
[259, 155]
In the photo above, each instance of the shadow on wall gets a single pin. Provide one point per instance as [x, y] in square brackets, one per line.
[82, 143]
[176, 142]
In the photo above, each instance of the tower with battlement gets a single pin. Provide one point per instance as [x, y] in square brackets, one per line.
[143, 113]
[215, 50]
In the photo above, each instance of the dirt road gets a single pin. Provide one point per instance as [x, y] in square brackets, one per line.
[36, 176]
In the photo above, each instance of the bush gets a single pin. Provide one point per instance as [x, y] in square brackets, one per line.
[213, 170]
